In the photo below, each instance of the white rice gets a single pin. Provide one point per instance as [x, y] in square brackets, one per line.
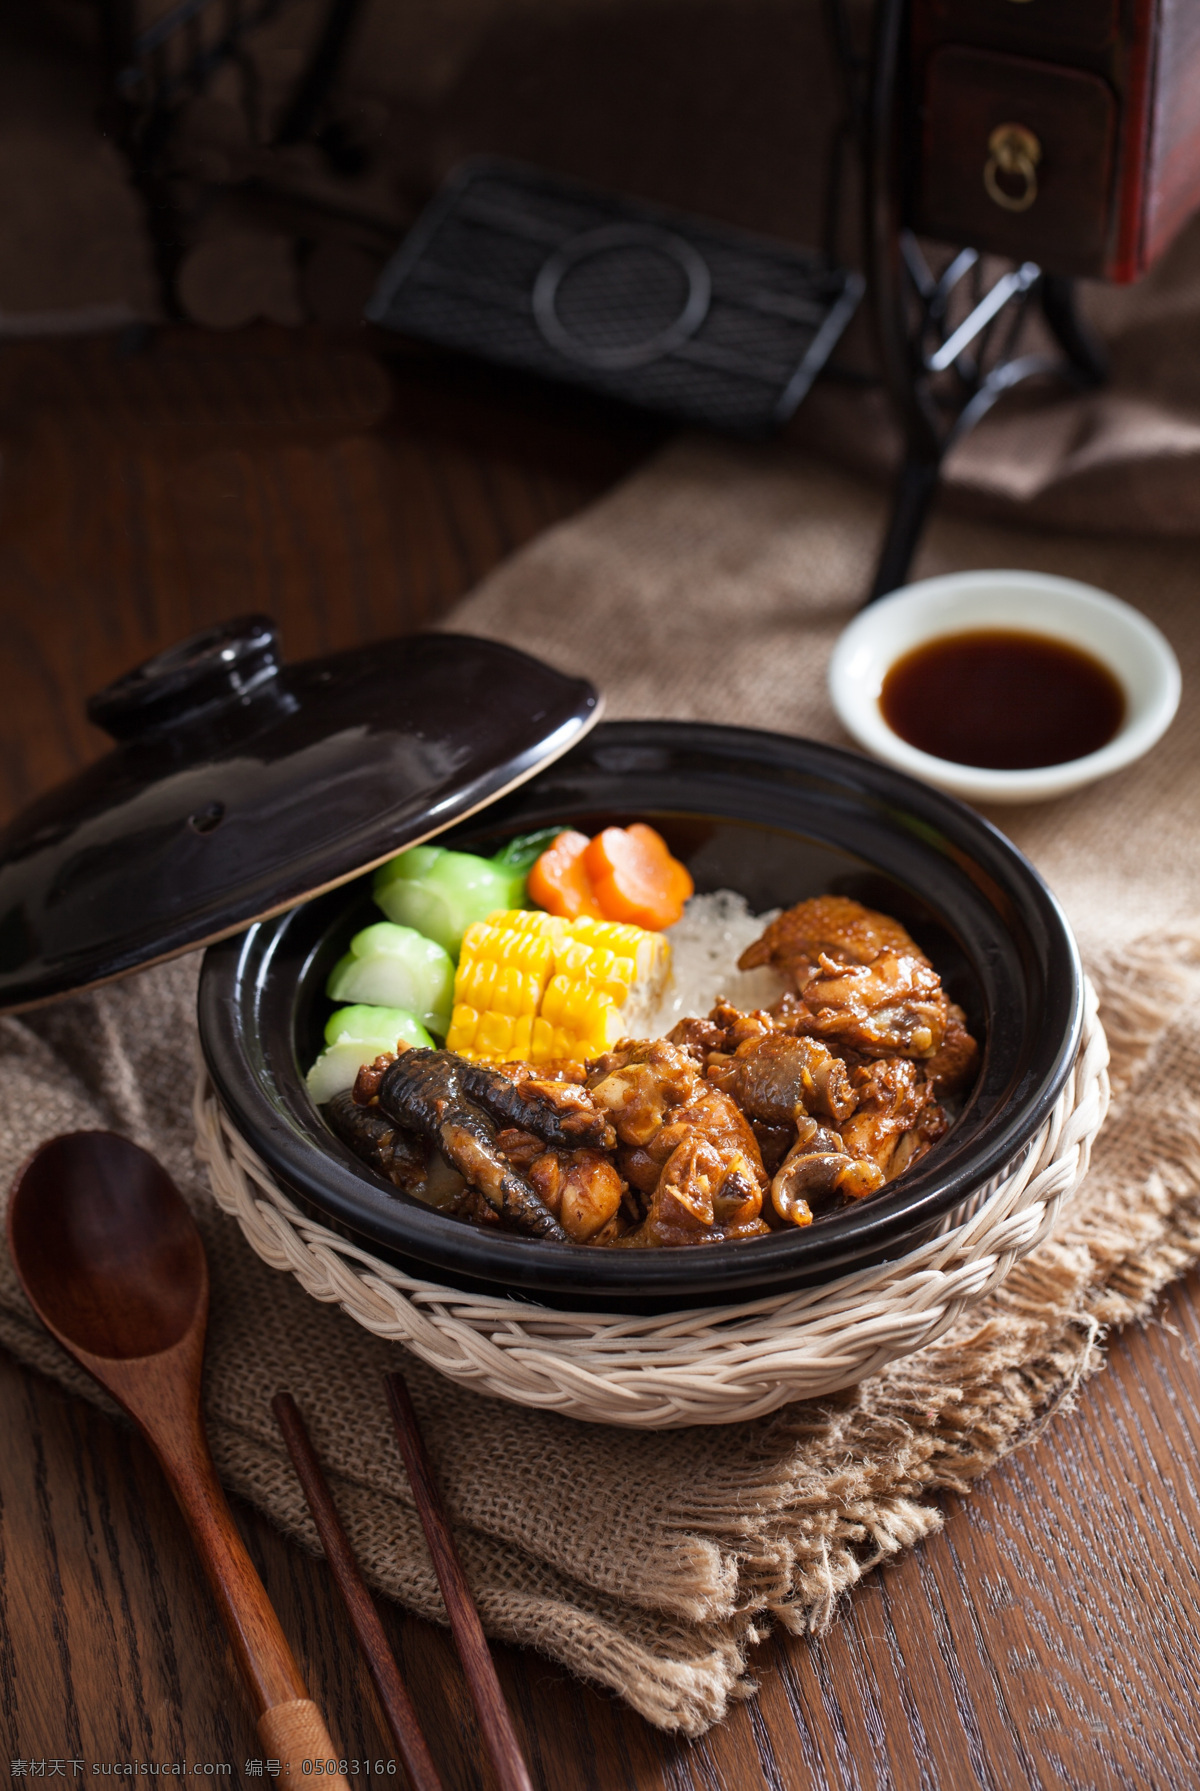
[705, 947]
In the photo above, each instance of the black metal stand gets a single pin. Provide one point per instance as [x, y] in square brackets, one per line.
[949, 347]
[151, 72]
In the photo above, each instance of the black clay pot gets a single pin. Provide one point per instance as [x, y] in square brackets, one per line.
[779, 819]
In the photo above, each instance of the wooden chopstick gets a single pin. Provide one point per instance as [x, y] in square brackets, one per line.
[381, 1662]
[494, 1719]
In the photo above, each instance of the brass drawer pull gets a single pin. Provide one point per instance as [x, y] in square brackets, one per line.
[1014, 151]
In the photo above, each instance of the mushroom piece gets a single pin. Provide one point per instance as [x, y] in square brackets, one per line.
[818, 1166]
[582, 1189]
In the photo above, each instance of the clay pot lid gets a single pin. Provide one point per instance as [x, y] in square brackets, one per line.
[239, 786]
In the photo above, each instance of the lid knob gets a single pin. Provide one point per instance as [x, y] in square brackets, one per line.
[210, 671]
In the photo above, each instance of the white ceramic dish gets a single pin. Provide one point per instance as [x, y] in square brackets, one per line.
[1120, 637]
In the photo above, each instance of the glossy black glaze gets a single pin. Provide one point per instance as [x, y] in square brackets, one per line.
[795, 819]
[240, 785]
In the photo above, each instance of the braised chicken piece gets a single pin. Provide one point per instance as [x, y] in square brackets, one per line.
[698, 1036]
[581, 1188]
[860, 981]
[775, 1076]
[827, 926]
[741, 1028]
[819, 1166]
[700, 1173]
[725, 1029]
[636, 1084]
[895, 1004]
[689, 1151]
[952, 1066]
[897, 1117]
[521, 1148]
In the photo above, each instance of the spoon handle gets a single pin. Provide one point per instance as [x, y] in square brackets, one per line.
[295, 1735]
[290, 1725]
[114, 1266]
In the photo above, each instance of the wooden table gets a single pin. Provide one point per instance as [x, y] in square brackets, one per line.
[1045, 1638]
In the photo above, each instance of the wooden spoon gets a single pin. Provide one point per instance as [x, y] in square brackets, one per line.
[113, 1264]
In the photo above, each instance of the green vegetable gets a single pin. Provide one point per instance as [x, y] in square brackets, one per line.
[396, 967]
[441, 893]
[381, 1027]
[523, 852]
[357, 1035]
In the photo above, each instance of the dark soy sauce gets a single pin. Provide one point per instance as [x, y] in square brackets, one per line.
[1004, 700]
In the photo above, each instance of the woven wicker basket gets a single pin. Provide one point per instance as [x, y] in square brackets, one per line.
[711, 1365]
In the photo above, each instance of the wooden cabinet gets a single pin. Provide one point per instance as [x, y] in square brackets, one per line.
[1065, 132]
[1081, 32]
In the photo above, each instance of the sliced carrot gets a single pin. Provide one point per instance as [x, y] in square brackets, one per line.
[559, 881]
[635, 878]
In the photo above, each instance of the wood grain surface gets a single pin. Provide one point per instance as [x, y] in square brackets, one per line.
[395, 1704]
[1046, 1638]
[134, 1315]
[475, 1656]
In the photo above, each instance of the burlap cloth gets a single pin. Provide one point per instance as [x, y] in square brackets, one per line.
[709, 585]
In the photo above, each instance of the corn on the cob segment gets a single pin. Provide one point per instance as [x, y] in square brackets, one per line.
[535, 987]
[503, 968]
